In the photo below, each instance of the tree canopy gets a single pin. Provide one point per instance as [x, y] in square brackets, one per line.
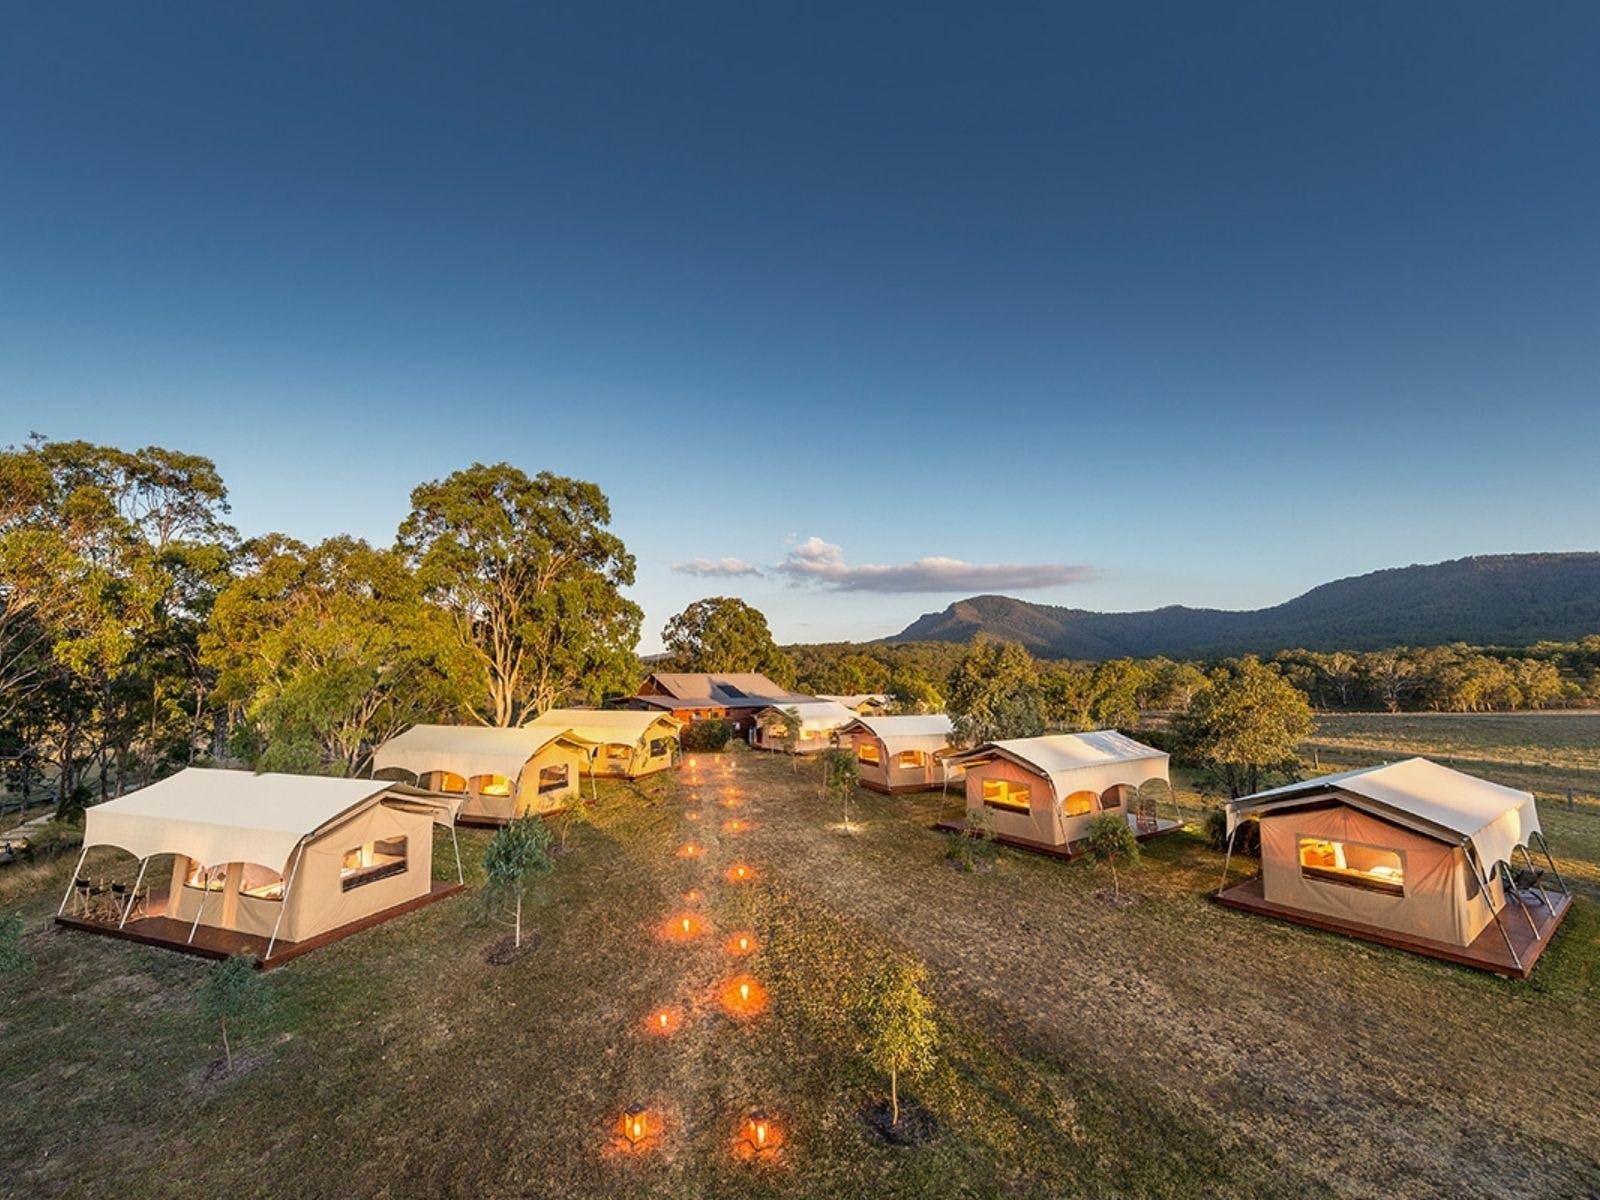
[724, 634]
[994, 693]
[1250, 719]
[531, 576]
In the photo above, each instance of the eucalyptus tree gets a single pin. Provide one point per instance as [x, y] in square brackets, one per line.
[531, 577]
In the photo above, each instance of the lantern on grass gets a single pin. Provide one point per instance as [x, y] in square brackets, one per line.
[690, 850]
[636, 1125]
[760, 1132]
[741, 873]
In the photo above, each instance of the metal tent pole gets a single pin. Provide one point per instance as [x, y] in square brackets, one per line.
[461, 875]
[205, 895]
[1549, 858]
[1226, 859]
[283, 902]
[73, 881]
[133, 896]
[1488, 898]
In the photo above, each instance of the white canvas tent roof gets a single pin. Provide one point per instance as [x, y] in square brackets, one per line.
[217, 816]
[860, 698]
[929, 733]
[1060, 756]
[1419, 795]
[602, 725]
[817, 715]
[467, 750]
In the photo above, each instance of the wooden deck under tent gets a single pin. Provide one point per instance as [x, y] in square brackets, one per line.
[1489, 951]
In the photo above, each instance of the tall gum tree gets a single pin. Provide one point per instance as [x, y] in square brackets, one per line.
[532, 577]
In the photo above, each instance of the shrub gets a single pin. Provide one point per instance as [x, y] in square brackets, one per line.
[973, 847]
[1246, 839]
[706, 737]
[13, 958]
[1111, 841]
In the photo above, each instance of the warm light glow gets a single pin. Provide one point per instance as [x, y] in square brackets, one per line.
[636, 1125]
[692, 815]
[692, 896]
[690, 850]
[743, 942]
[682, 927]
[664, 1022]
[759, 1133]
[740, 873]
[742, 996]
[735, 826]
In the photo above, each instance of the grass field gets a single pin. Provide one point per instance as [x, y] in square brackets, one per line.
[1170, 1048]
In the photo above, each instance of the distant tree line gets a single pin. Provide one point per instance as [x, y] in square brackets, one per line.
[1455, 678]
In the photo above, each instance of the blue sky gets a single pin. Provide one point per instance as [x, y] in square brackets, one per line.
[1164, 303]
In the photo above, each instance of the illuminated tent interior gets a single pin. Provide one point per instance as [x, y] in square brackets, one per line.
[901, 754]
[820, 721]
[1413, 850]
[1044, 791]
[627, 743]
[285, 858]
[497, 773]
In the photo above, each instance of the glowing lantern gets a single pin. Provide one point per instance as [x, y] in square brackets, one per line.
[682, 927]
[740, 873]
[636, 1124]
[735, 826]
[664, 1022]
[690, 850]
[742, 996]
[760, 1133]
[743, 942]
[692, 896]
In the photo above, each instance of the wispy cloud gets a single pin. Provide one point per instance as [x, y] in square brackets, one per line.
[716, 568]
[820, 562]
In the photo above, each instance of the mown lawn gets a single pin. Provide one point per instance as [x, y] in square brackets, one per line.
[1170, 1048]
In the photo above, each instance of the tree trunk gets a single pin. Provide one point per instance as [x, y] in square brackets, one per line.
[1116, 887]
[894, 1097]
[518, 942]
[227, 1051]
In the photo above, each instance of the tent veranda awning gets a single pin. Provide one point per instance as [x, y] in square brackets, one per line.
[219, 816]
[1419, 795]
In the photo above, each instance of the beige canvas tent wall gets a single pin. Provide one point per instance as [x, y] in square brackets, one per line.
[285, 858]
[901, 754]
[627, 744]
[498, 773]
[1413, 849]
[1044, 791]
[820, 723]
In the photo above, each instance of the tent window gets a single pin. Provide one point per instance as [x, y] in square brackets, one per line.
[449, 781]
[658, 747]
[617, 750]
[552, 779]
[494, 785]
[199, 877]
[371, 862]
[1079, 804]
[1112, 796]
[908, 758]
[1002, 793]
[262, 883]
[1354, 865]
[867, 752]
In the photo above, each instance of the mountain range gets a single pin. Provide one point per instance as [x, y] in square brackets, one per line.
[1495, 600]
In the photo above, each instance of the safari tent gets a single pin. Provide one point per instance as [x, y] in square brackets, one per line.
[269, 865]
[627, 744]
[1041, 792]
[1412, 854]
[820, 722]
[901, 754]
[498, 773]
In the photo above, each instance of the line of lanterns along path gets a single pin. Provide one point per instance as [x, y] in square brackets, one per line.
[640, 1129]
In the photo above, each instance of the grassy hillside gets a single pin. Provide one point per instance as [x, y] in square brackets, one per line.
[1504, 600]
[1171, 1048]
